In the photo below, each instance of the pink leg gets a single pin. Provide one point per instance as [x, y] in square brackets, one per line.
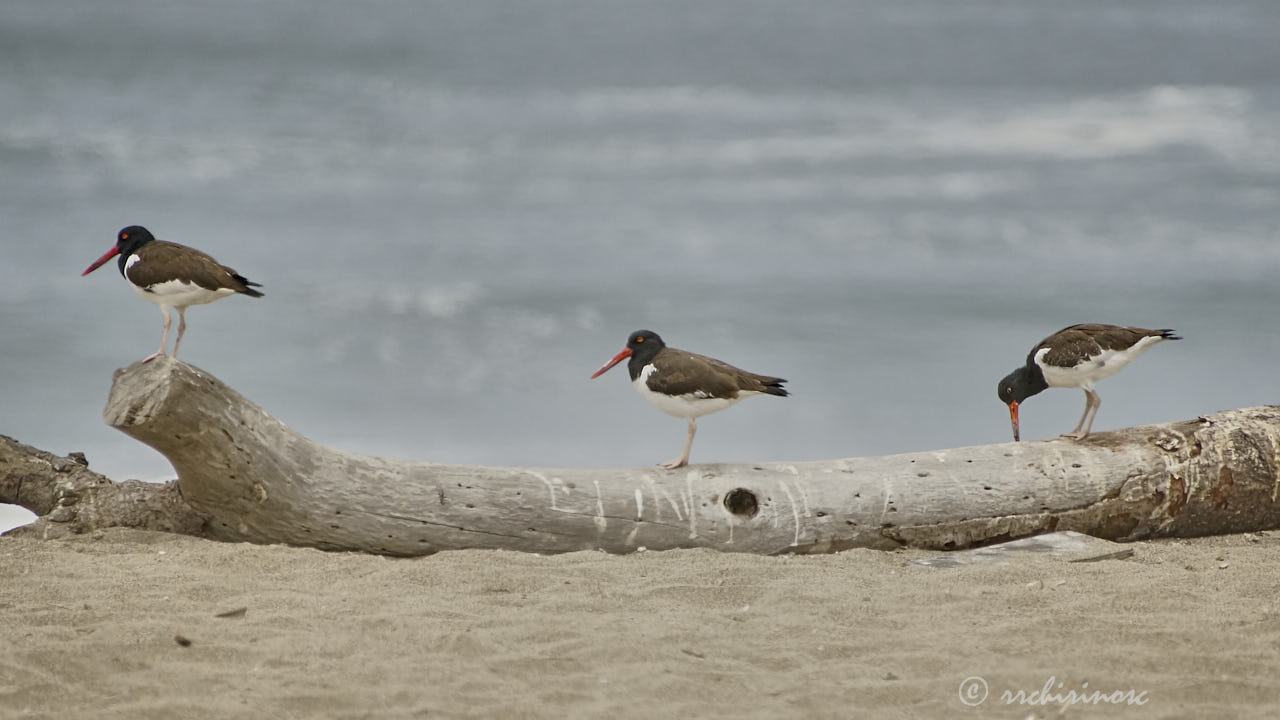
[684, 456]
[182, 327]
[1097, 403]
[164, 338]
[1091, 404]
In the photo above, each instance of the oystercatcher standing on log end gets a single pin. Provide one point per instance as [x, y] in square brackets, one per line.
[683, 384]
[172, 276]
[1077, 356]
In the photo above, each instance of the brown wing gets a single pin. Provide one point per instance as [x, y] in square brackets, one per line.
[1076, 344]
[164, 261]
[684, 373]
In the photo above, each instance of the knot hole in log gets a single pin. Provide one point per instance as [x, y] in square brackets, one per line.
[741, 502]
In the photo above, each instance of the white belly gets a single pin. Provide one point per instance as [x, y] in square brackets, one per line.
[1103, 365]
[690, 405]
[180, 294]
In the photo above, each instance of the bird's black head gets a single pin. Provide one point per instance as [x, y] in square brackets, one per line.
[1020, 385]
[128, 240]
[132, 238]
[1013, 387]
[642, 346]
[1016, 387]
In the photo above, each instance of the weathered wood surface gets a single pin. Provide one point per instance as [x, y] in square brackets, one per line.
[243, 475]
[70, 498]
[254, 479]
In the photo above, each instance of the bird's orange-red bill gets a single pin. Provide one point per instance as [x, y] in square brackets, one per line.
[1013, 417]
[100, 261]
[626, 353]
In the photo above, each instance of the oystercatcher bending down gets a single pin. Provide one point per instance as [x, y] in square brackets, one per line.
[172, 276]
[683, 384]
[1077, 356]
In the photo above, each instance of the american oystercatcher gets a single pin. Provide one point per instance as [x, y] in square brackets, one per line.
[172, 276]
[1077, 356]
[682, 384]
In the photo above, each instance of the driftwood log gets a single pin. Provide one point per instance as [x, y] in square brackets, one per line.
[69, 498]
[245, 476]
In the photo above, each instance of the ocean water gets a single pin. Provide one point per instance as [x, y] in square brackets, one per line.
[458, 211]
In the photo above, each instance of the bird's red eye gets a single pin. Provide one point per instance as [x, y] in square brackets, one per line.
[639, 338]
[124, 236]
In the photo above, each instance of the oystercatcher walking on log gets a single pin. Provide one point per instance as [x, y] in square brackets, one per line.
[1077, 356]
[172, 276]
[687, 385]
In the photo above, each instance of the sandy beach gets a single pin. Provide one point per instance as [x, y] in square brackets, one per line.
[126, 624]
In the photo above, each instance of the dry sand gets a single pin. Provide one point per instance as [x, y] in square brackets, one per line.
[90, 628]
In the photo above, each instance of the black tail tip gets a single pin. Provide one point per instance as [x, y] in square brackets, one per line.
[248, 284]
[1169, 334]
